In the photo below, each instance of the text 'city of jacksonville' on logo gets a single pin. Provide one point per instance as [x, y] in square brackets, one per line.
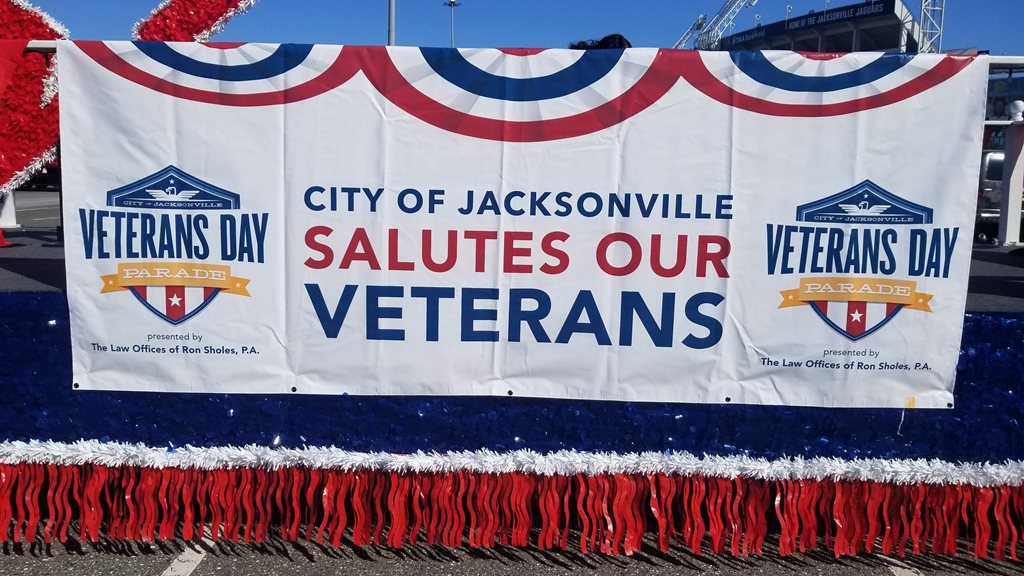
[853, 305]
[174, 289]
[172, 189]
[865, 203]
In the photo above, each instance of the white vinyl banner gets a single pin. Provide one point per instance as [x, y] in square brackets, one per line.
[654, 225]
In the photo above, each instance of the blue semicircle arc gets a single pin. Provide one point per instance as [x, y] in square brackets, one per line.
[452, 66]
[285, 58]
[757, 66]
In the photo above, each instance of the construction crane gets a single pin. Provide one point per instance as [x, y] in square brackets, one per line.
[932, 12]
[696, 26]
[711, 32]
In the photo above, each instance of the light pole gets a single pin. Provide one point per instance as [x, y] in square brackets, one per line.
[452, 4]
[391, 22]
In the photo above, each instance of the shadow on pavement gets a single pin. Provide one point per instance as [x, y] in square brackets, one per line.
[503, 558]
[46, 271]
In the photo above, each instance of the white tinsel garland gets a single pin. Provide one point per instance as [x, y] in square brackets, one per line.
[33, 168]
[49, 84]
[565, 462]
[242, 8]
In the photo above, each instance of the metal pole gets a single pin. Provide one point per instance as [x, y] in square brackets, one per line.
[59, 243]
[452, 4]
[391, 22]
[922, 33]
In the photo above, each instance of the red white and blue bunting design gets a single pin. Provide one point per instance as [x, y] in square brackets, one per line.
[810, 85]
[225, 73]
[513, 95]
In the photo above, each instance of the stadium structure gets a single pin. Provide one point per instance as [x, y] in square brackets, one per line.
[876, 25]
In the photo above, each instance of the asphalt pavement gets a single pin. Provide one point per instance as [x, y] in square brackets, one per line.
[277, 558]
[38, 208]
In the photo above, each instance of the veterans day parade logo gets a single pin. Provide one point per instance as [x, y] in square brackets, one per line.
[171, 234]
[859, 246]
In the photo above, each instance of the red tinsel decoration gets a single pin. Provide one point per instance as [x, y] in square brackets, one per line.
[27, 131]
[187, 20]
[10, 56]
[607, 513]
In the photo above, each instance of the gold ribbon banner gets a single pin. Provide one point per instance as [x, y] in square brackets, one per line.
[174, 274]
[857, 290]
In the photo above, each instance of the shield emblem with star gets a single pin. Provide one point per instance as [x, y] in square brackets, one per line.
[855, 319]
[175, 304]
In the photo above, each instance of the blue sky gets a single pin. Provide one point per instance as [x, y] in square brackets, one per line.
[987, 24]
